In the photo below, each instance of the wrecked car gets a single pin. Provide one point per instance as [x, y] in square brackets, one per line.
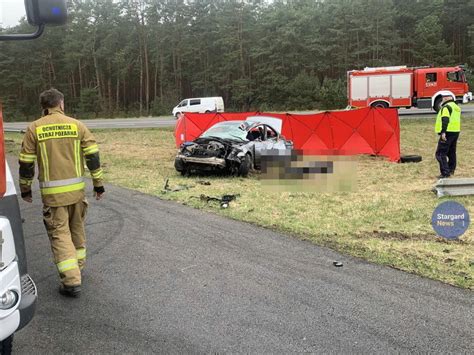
[233, 147]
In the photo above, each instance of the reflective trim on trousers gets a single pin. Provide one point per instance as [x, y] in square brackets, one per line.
[58, 183]
[67, 265]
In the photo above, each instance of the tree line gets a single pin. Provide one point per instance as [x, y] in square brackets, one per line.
[141, 57]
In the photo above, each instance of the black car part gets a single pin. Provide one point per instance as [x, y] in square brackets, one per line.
[224, 200]
[210, 153]
[411, 158]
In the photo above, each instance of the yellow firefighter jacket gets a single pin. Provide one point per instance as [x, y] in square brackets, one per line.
[60, 145]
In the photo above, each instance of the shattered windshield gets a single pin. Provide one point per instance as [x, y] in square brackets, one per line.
[236, 130]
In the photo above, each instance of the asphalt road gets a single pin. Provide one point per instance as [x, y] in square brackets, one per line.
[165, 278]
[169, 121]
[406, 113]
[116, 123]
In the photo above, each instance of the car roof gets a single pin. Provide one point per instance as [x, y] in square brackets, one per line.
[247, 125]
[235, 123]
[230, 123]
[273, 122]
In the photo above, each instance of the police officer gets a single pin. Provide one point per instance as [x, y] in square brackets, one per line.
[448, 127]
[60, 145]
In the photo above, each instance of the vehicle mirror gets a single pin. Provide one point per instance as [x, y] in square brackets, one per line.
[40, 13]
[46, 12]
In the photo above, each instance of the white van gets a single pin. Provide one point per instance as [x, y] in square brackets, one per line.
[200, 105]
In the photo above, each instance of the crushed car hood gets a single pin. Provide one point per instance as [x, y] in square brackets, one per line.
[206, 147]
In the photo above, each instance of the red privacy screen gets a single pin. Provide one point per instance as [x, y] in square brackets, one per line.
[373, 131]
[3, 175]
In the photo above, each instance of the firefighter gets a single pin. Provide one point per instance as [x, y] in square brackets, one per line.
[60, 145]
[448, 127]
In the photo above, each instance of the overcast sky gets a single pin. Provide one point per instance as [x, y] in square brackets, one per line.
[11, 11]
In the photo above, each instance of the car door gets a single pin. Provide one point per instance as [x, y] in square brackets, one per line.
[258, 140]
[195, 105]
[274, 139]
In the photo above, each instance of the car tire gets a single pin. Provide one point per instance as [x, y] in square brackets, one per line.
[6, 346]
[207, 111]
[411, 158]
[180, 166]
[245, 166]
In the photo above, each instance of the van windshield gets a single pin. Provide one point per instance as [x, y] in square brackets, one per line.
[183, 103]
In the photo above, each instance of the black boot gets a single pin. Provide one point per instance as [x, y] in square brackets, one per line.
[70, 291]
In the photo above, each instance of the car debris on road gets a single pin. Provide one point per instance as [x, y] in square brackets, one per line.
[224, 200]
[167, 188]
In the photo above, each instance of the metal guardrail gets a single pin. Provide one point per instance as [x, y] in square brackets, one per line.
[454, 187]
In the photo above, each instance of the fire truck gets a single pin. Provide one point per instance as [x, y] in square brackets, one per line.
[18, 292]
[402, 86]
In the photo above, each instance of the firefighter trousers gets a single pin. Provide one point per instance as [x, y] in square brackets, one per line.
[65, 228]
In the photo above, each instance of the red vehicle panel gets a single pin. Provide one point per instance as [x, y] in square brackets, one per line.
[3, 174]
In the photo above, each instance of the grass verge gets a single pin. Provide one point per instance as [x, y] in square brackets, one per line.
[386, 221]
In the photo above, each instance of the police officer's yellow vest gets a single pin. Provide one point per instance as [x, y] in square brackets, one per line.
[454, 118]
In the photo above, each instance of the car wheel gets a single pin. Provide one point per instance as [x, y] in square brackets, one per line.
[179, 165]
[437, 104]
[207, 111]
[379, 104]
[6, 346]
[410, 158]
[245, 166]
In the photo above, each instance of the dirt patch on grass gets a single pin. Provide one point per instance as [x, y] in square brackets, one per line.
[393, 235]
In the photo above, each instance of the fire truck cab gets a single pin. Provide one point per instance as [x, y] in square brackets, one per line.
[406, 87]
